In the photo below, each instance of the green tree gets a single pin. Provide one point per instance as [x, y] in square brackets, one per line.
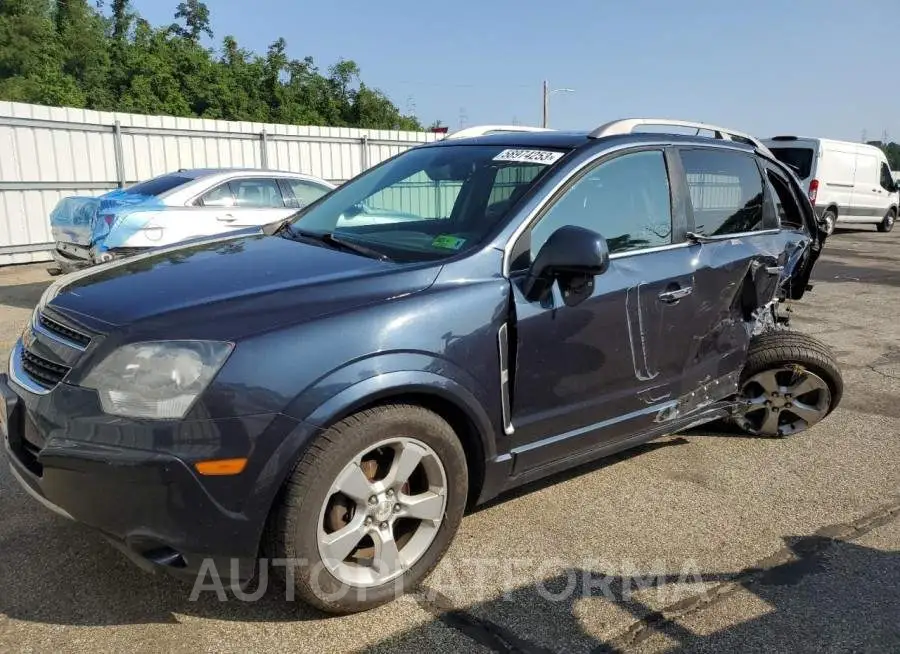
[68, 52]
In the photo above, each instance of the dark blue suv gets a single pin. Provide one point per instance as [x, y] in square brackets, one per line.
[465, 317]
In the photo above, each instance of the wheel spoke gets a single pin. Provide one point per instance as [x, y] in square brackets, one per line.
[354, 484]
[805, 385]
[387, 556]
[424, 506]
[337, 546]
[770, 423]
[406, 460]
[768, 381]
[807, 412]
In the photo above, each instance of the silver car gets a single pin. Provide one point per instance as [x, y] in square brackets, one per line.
[175, 207]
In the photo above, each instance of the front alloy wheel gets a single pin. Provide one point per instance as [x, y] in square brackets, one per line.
[382, 512]
[370, 508]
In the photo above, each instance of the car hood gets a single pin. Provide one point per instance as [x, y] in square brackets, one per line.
[231, 286]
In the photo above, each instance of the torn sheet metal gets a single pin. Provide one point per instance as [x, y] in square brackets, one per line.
[703, 396]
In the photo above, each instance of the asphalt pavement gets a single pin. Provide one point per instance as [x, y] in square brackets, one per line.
[703, 541]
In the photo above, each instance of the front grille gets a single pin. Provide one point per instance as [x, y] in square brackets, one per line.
[44, 373]
[64, 332]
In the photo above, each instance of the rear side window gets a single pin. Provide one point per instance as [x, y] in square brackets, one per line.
[157, 185]
[256, 193]
[800, 159]
[726, 191]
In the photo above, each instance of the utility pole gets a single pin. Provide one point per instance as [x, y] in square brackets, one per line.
[546, 108]
[546, 111]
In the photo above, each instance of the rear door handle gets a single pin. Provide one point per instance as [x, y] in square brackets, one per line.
[676, 294]
[227, 218]
[774, 270]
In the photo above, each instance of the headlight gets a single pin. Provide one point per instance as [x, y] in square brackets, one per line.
[159, 379]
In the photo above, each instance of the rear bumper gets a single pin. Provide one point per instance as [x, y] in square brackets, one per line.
[151, 505]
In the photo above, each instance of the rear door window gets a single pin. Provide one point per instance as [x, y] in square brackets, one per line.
[726, 191]
[256, 193]
[800, 159]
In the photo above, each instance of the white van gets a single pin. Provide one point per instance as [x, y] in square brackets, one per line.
[848, 183]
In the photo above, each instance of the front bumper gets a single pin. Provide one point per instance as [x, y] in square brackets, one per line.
[150, 502]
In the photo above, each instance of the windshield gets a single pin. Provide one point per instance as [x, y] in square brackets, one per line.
[430, 202]
[800, 159]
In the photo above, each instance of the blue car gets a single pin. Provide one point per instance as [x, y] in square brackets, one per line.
[330, 395]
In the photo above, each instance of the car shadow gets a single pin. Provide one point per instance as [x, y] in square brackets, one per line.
[23, 296]
[819, 594]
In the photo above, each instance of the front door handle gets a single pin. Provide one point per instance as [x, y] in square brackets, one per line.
[671, 297]
[774, 270]
[227, 218]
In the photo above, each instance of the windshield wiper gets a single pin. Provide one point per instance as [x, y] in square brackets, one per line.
[329, 238]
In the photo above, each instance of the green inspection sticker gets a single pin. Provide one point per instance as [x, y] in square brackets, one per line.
[448, 242]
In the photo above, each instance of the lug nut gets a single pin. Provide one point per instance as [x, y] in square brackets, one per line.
[368, 522]
[384, 525]
[396, 508]
[788, 396]
[373, 500]
[775, 394]
[788, 405]
[389, 493]
[775, 409]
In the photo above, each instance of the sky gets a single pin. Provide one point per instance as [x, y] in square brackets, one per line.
[818, 68]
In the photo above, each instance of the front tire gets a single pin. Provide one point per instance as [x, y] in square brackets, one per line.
[887, 224]
[371, 508]
[790, 382]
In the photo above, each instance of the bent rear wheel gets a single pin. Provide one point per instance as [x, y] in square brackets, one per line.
[790, 382]
[370, 508]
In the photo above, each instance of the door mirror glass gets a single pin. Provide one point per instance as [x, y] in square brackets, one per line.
[570, 252]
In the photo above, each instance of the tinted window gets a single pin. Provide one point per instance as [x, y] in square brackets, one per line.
[158, 185]
[306, 192]
[887, 180]
[258, 193]
[800, 159]
[626, 200]
[785, 203]
[726, 191]
[220, 196]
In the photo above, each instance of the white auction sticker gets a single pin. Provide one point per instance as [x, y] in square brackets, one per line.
[545, 157]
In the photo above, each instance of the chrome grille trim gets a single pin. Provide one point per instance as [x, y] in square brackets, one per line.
[56, 331]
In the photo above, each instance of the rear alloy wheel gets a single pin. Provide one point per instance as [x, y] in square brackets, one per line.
[370, 508]
[790, 382]
[887, 224]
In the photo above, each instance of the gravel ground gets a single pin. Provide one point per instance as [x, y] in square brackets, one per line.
[704, 541]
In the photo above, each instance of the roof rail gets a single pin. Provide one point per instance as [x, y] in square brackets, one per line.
[481, 130]
[628, 125]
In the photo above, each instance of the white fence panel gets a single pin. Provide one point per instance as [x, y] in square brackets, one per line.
[47, 153]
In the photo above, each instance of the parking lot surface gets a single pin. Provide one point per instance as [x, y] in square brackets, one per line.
[703, 541]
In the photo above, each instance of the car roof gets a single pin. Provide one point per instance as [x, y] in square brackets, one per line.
[573, 140]
[196, 173]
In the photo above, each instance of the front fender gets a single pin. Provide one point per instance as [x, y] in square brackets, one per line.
[364, 382]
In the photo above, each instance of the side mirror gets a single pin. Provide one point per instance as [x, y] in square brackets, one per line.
[570, 252]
